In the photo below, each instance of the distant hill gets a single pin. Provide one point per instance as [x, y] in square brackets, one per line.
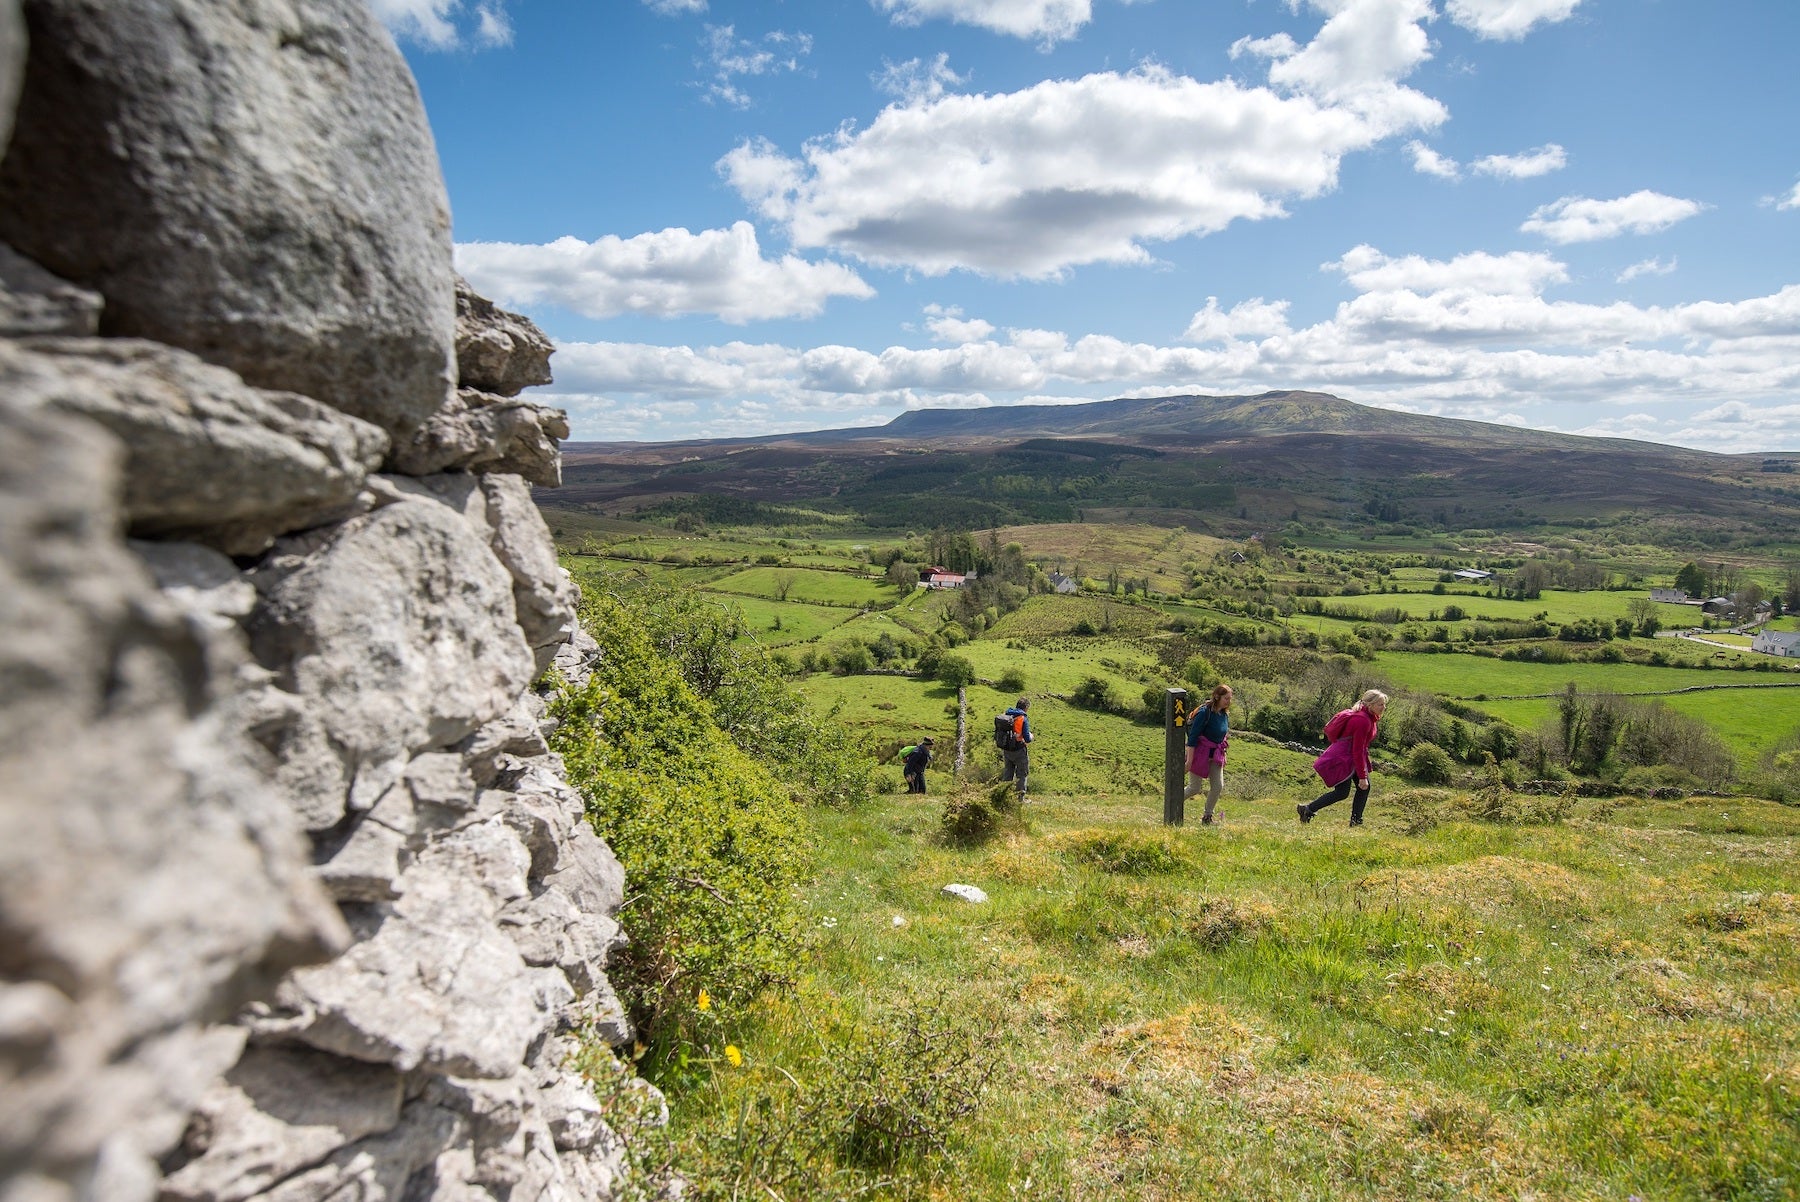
[1230, 464]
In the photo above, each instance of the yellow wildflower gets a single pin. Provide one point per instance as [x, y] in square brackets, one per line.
[705, 1002]
[734, 1055]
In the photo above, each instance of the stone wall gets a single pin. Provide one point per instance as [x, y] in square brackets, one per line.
[295, 903]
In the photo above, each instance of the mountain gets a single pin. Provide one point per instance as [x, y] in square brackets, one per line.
[1230, 463]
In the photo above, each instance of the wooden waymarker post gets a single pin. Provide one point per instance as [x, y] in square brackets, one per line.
[1175, 719]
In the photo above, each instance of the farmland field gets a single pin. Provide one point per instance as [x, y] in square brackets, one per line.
[1472, 677]
[1564, 606]
[807, 584]
[1591, 1009]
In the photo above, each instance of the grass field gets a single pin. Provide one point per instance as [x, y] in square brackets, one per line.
[810, 585]
[1471, 676]
[1093, 548]
[1562, 606]
[1596, 1009]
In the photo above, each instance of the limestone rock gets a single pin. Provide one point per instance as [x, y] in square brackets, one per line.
[497, 351]
[256, 183]
[969, 893]
[477, 431]
[210, 458]
[500, 506]
[543, 594]
[12, 65]
[280, 1110]
[398, 634]
[199, 581]
[497, 749]
[32, 301]
[117, 779]
[381, 1167]
[434, 983]
[575, 659]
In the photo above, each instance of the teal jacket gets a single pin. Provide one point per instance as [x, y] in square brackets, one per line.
[1208, 723]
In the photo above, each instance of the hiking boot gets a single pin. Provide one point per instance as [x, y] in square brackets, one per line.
[1206, 820]
[1305, 814]
[1356, 822]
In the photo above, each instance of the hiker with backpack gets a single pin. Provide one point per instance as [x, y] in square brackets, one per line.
[1012, 735]
[1346, 760]
[912, 764]
[1208, 732]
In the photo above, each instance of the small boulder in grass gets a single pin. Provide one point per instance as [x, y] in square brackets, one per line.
[968, 893]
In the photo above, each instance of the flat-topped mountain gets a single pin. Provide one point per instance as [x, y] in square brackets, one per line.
[1223, 463]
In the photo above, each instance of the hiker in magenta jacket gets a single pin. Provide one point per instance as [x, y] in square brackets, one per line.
[1208, 734]
[1346, 760]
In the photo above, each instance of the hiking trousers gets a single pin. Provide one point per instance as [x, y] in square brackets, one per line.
[1214, 781]
[1333, 796]
[1017, 766]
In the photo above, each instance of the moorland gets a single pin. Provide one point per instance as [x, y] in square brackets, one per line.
[1555, 963]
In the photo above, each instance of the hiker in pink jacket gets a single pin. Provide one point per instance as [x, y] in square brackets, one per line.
[1346, 760]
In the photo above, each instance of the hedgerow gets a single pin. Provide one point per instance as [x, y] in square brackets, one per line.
[712, 842]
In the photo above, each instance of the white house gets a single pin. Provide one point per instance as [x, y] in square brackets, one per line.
[1674, 596]
[1063, 584]
[1777, 642]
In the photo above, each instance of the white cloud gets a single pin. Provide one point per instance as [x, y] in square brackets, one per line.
[1090, 170]
[947, 324]
[446, 24]
[662, 274]
[1791, 200]
[1578, 219]
[1427, 161]
[1646, 267]
[1533, 163]
[1043, 21]
[1508, 20]
[675, 8]
[915, 80]
[730, 57]
[1520, 273]
[1472, 336]
[1363, 49]
[1254, 318]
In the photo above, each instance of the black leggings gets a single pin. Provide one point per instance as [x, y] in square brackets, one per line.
[1333, 796]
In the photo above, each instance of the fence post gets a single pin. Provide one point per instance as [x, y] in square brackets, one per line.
[962, 726]
[1175, 718]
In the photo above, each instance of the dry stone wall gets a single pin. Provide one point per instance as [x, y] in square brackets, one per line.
[295, 902]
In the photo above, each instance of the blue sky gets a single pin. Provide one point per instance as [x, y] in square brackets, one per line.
[744, 218]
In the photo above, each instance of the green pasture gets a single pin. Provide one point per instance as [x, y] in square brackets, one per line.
[1559, 606]
[800, 623]
[1592, 1009]
[1049, 614]
[808, 585]
[1750, 720]
[1094, 548]
[1059, 665]
[1470, 677]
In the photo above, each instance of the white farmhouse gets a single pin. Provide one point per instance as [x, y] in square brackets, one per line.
[1777, 642]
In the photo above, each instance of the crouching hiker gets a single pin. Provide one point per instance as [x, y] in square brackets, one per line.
[913, 762]
[1012, 734]
[1208, 733]
[1346, 760]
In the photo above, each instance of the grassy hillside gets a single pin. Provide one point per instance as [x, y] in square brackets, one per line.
[1217, 465]
[1593, 1008]
[1482, 993]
